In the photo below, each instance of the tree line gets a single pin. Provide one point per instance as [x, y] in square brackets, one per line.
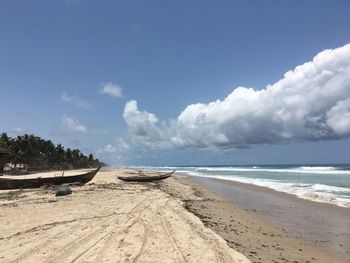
[39, 154]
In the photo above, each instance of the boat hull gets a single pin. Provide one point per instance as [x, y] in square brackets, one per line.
[145, 178]
[12, 183]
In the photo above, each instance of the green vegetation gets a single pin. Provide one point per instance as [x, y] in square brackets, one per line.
[39, 154]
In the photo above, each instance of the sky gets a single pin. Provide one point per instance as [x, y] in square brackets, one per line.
[180, 82]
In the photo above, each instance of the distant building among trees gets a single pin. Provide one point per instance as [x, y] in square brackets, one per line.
[3, 154]
[37, 154]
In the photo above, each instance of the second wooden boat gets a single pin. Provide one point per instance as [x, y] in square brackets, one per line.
[146, 178]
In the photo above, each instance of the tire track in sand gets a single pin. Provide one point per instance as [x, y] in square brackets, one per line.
[144, 241]
[172, 239]
[223, 254]
[42, 245]
[68, 249]
[72, 247]
[126, 231]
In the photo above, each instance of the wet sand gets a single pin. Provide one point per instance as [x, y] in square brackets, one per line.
[322, 225]
[325, 225]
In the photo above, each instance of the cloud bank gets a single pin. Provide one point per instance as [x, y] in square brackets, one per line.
[310, 103]
[112, 89]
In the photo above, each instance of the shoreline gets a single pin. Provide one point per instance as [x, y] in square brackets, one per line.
[319, 225]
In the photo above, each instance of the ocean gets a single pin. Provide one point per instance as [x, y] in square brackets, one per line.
[319, 183]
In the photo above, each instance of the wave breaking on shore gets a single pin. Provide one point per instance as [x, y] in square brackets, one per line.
[326, 184]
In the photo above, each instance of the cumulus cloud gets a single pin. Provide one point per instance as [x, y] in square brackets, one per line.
[109, 148]
[310, 103]
[112, 89]
[122, 145]
[143, 126]
[118, 146]
[73, 125]
[18, 130]
[74, 100]
[338, 118]
[113, 151]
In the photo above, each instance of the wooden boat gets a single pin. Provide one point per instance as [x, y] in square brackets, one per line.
[20, 183]
[145, 178]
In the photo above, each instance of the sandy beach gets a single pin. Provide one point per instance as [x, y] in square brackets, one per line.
[268, 226]
[324, 225]
[107, 221]
[176, 220]
[175, 131]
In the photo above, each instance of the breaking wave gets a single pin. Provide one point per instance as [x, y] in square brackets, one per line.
[326, 184]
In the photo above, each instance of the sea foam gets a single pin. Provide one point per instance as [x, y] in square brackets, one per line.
[326, 184]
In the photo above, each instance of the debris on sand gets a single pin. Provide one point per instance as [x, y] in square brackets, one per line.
[63, 190]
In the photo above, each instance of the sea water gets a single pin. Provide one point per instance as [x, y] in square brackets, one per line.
[320, 183]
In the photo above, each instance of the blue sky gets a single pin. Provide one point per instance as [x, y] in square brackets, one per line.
[69, 68]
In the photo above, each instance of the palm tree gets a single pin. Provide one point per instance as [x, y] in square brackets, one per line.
[42, 154]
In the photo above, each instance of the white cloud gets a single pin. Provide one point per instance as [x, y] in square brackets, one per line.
[73, 125]
[338, 118]
[122, 145]
[112, 89]
[101, 131]
[18, 130]
[115, 151]
[109, 148]
[116, 148]
[143, 126]
[74, 100]
[311, 102]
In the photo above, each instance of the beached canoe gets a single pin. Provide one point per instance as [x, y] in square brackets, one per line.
[21, 183]
[145, 178]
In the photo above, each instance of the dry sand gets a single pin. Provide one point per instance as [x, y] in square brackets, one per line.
[108, 221]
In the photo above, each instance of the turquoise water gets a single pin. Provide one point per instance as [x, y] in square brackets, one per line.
[320, 183]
